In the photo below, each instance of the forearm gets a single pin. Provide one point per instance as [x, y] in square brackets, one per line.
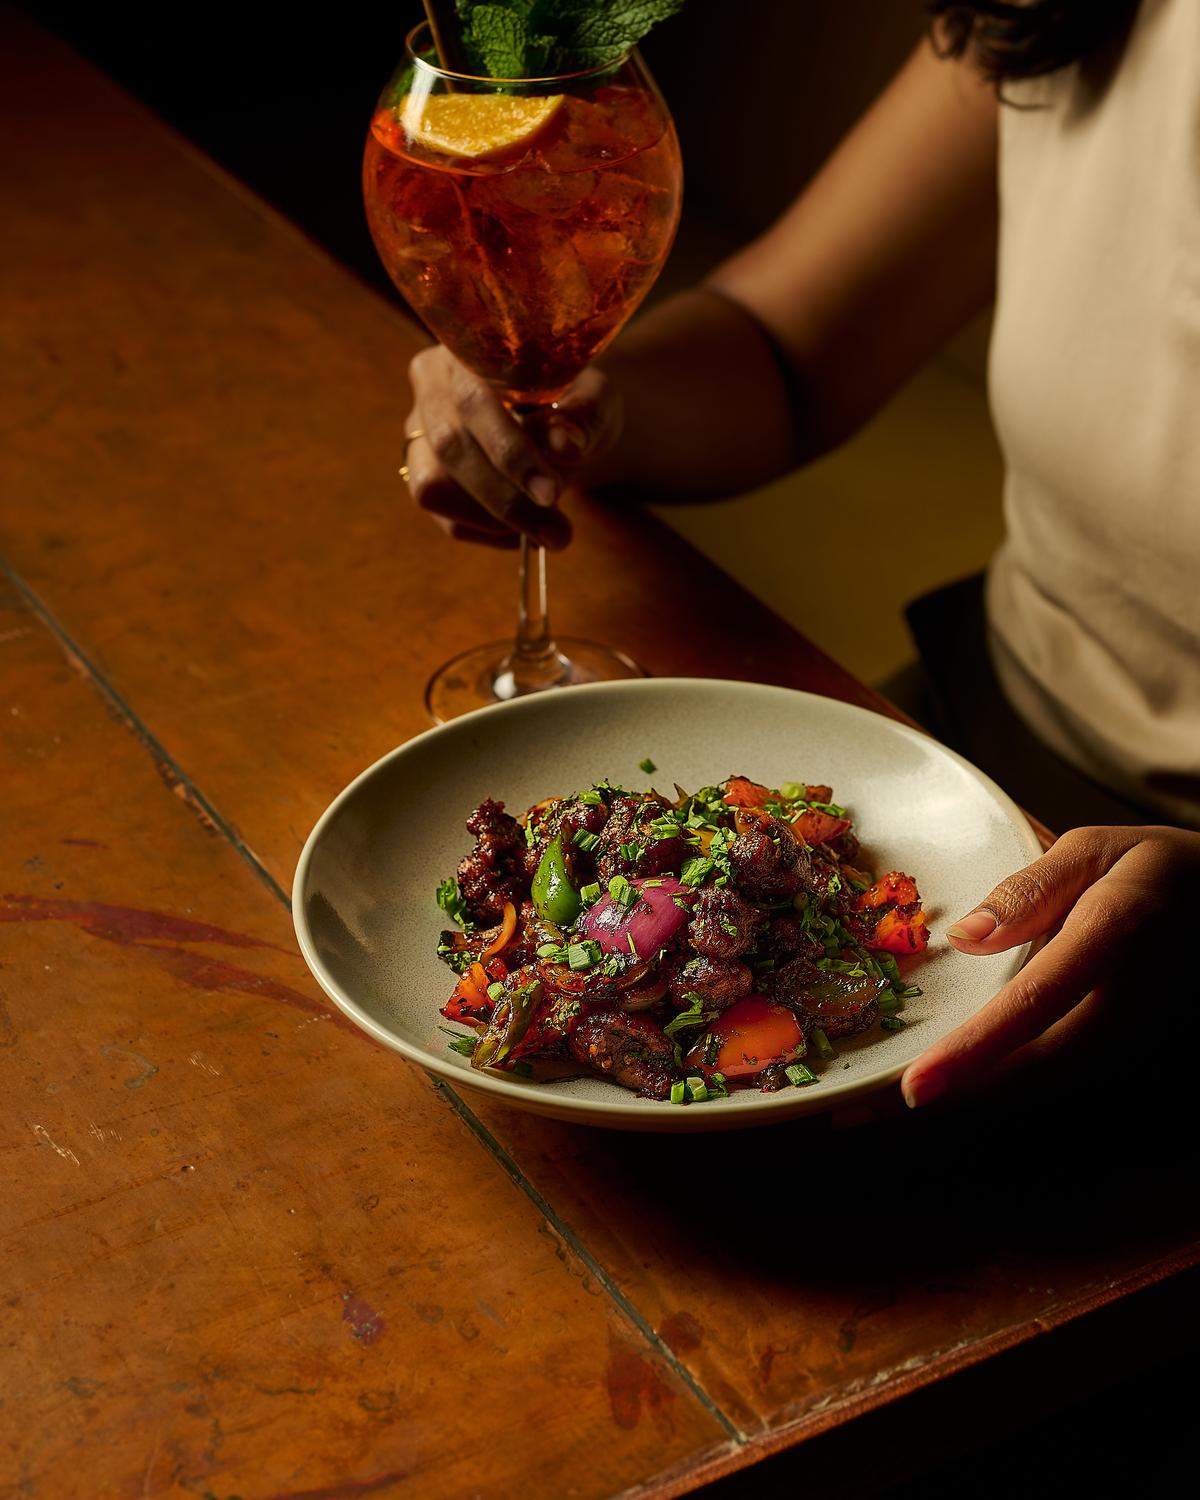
[885, 254]
[705, 409]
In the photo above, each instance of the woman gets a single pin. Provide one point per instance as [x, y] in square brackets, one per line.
[1067, 134]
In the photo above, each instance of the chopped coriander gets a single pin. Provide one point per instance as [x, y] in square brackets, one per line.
[891, 1023]
[693, 1016]
[590, 894]
[495, 990]
[647, 765]
[697, 1090]
[459, 959]
[695, 870]
[822, 1045]
[679, 1092]
[798, 1075]
[449, 898]
[584, 840]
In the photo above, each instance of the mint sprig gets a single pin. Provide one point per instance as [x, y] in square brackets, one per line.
[542, 38]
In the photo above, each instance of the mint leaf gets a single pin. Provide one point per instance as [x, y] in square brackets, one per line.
[589, 33]
[496, 38]
[539, 38]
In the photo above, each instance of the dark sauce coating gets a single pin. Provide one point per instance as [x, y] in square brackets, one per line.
[494, 871]
[718, 982]
[630, 1050]
[786, 938]
[767, 862]
[839, 1005]
[724, 924]
[628, 823]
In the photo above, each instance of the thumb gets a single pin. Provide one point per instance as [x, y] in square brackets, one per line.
[585, 421]
[1036, 899]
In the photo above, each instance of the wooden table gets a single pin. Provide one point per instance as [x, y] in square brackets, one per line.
[248, 1252]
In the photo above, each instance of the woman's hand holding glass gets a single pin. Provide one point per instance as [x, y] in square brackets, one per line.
[484, 476]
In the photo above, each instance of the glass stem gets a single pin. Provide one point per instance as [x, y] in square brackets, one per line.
[535, 661]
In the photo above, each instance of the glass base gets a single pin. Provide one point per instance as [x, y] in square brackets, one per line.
[486, 675]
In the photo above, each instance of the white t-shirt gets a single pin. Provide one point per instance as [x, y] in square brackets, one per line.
[1094, 599]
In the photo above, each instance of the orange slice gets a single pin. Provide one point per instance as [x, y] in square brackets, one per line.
[481, 127]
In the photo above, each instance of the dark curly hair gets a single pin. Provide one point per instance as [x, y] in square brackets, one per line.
[1022, 40]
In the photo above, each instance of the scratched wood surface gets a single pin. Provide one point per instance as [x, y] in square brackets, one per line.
[244, 1252]
[203, 417]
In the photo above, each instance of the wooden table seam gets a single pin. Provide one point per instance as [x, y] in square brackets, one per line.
[179, 781]
[165, 763]
[905, 1380]
[560, 1227]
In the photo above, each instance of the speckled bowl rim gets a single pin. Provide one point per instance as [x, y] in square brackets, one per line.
[735, 1113]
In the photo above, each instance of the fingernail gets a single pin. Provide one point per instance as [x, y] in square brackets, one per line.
[567, 440]
[923, 1088]
[973, 929]
[543, 489]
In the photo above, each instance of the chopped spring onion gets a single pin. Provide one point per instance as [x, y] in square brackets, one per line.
[583, 955]
[891, 1023]
[679, 1092]
[822, 1045]
[798, 1075]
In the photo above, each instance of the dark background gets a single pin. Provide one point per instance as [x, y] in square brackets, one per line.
[761, 90]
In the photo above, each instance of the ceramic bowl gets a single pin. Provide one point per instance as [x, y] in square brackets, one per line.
[368, 924]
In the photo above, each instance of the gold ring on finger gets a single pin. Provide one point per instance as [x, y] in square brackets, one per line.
[409, 439]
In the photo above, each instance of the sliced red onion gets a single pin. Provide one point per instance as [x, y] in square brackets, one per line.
[662, 907]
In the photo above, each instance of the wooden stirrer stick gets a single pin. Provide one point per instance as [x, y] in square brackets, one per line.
[443, 24]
